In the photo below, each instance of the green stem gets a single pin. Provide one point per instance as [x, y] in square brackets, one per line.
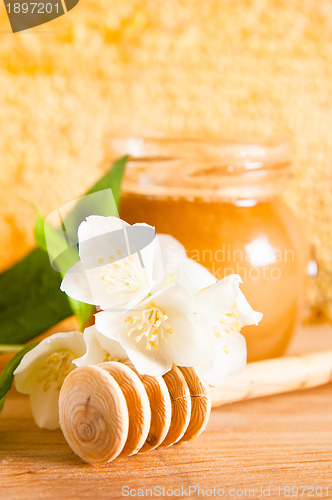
[10, 348]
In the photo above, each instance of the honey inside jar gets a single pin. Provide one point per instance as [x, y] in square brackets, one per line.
[222, 202]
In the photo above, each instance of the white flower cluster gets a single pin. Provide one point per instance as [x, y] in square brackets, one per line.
[155, 306]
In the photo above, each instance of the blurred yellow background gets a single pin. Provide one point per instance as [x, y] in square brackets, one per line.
[228, 68]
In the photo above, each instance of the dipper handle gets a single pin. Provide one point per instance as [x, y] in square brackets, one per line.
[275, 376]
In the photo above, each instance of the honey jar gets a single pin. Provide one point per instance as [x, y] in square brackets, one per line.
[222, 200]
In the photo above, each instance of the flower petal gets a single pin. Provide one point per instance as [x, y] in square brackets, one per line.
[44, 406]
[207, 341]
[178, 268]
[219, 298]
[91, 285]
[27, 371]
[153, 363]
[76, 285]
[105, 239]
[184, 346]
[117, 260]
[231, 356]
[174, 298]
[97, 225]
[247, 315]
[194, 276]
[172, 252]
[147, 362]
[99, 347]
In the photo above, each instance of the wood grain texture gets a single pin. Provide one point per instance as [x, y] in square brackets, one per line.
[93, 414]
[137, 402]
[181, 405]
[200, 404]
[275, 441]
[161, 409]
[276, 376]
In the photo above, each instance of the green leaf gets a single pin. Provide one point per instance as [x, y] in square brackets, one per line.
[30, 299]
[112, 179]
[101, 199]
[39, 232]
[68, 256]
[60, 243]
[7, 374]
[30, 296]
[63, 254]
[10, 348]
[82, 311]
[57, 241]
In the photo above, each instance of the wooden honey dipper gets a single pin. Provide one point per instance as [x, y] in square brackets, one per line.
[110, 411]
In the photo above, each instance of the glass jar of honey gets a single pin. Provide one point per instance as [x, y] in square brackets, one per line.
[222, 201]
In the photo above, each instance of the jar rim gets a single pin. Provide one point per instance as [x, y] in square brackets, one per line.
[226, 155]
[203, 167]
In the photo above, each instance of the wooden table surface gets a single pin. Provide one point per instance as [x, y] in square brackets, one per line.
[272, 443]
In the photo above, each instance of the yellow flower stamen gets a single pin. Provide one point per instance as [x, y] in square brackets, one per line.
[230, 323]
[107, 357]
[130, 319]
[151, 324]
[123, 275]
[55, 369]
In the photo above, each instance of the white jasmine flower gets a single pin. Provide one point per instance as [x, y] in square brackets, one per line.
[42, 371]
[179, 268]
[158, 332]
[99, 349]
[116, 267]
[222, 310]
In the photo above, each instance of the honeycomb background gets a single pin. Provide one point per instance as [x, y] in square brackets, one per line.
[220, 67]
